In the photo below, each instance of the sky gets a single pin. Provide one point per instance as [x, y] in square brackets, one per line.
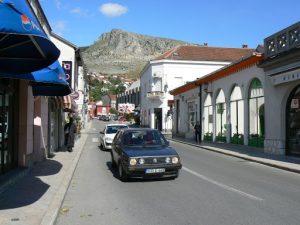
[221, 23]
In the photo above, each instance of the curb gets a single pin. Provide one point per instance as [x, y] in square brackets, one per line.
[241, 156]
[53, 210]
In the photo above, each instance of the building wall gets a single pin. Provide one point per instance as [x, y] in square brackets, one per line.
[276, 97]
[67, 53]
[103, 110]
[26, 125]
[242, 79]
[185, 127]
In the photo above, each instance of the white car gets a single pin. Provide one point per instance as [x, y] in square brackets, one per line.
[108, 134]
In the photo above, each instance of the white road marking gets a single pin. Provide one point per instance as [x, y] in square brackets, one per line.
[222, 185]
[95, 140]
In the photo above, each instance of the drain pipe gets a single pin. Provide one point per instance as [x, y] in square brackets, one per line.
[200, 111]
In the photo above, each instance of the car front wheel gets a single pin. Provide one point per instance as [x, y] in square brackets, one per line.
[122, 175]
[113, 163]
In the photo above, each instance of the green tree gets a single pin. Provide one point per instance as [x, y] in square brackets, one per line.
[98, 89]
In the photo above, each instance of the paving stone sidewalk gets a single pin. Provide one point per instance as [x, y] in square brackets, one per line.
[34, 196]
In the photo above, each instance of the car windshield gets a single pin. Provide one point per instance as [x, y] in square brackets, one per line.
[113, 129]
[139, 137]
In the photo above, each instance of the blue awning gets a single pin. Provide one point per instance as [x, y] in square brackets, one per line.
[24, 47]
[50, 81]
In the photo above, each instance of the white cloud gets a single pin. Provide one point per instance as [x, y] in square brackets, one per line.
[113, 9]
[76, 10]
[81, 12]
[59, 27]
[58, 4]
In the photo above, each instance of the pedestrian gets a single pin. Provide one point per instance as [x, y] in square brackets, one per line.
[70, 130]
[197, 129]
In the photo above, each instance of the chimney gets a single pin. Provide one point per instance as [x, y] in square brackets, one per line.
[205, 44]
[245, 46]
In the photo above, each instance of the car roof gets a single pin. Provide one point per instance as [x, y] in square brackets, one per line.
[116, 124]
[140, 129]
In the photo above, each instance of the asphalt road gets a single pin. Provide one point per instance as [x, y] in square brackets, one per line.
[211, 189]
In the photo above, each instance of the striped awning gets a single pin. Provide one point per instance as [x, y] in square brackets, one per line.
[67, 103]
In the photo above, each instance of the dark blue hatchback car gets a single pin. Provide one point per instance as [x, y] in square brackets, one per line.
[143, 152]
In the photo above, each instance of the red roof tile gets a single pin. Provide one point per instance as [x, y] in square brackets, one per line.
[205, 53]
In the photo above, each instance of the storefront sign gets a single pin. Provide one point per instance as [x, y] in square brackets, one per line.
[295, 104]
[286, 77]
[67, 67]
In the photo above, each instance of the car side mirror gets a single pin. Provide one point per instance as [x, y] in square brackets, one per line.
[101, 132]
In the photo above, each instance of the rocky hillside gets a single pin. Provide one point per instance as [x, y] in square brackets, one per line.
[121, 52]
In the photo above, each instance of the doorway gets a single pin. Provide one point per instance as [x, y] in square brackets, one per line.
[158, 119]
[7, 122]
[293, 123]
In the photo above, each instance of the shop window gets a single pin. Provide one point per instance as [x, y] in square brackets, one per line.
[220, 117]
[236, 116]
[256, 114]
[7, 139]
[192, 115]
[208, 119]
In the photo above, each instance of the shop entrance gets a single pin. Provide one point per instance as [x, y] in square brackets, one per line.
[7, 159]
[158, 118]
[293, 123]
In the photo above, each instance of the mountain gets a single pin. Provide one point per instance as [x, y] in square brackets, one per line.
[121, 52]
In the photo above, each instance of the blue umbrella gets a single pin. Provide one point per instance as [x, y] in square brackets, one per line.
[50, 81]
[24, 47]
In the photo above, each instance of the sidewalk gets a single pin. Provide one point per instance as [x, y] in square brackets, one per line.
[34, 196]
[288, 163]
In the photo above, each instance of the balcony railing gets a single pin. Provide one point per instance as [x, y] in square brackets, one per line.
[155, 94]
[282, 41]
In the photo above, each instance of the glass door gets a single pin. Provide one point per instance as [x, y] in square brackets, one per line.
[5, 154]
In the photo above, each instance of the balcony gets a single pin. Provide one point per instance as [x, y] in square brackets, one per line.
[282, 41]
[155, 95]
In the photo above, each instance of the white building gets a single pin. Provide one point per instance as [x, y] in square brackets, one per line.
[219, 102]
[254, 101]
[282, 91]
[71, 60]
[176, 68]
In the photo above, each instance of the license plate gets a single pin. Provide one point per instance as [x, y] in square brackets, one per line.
[160, 170]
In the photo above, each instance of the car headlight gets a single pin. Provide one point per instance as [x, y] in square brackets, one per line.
[168, 160]
[175, 160]
[132, 162]
[141, 161]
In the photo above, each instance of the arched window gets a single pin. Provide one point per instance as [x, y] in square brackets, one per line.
[256, 114]
[192, 114]
[208, 119]
[237, 116]
[220, 117]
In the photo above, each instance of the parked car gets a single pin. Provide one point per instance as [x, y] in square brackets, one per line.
[108, 134]
[142, 153]
[106, 118]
